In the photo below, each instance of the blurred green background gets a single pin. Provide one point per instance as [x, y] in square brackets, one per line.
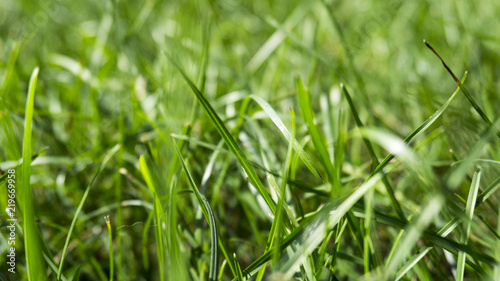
[104, 80]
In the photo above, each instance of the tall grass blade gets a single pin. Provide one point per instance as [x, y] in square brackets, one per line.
[209, 216]
[238, 268]
[34, 260]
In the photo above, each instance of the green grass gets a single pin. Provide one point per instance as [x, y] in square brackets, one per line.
[251, 140]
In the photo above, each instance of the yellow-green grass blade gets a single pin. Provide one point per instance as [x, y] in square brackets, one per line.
[33, 252]
[228, 138]
[108, 156]
[447, 229]
[469, 212]
[110, 240]
[471, 100]
[158, 211]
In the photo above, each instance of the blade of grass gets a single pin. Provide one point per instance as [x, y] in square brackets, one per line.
[469, 212]
[76, 276]
[425, 125]
[375, 162]
[34, 260]
[447, 229]
[209, 216]
[282, 191]
[108, 156]
[228, 138]
[238, 269]
[464, 90]
[110, 237]
[317, 138]
[281, 126]
[158, 211]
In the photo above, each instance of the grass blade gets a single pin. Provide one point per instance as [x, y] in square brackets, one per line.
[76, 277]
[108, 156]
[110, 237]
[469, 212]
[33, 251]
[281, 126]
[228, 138]
[318, 141]
[238, 268]
[464, 90]
[209, 216]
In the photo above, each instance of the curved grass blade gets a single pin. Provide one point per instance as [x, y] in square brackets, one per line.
[469, 212]
[281, 126]
[228, 138]
[34, 260]
[464, 90]
[108, 156]
[209, 216]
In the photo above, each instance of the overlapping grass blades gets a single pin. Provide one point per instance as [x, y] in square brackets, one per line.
[158, 212]
[228, 138]
[33, 252]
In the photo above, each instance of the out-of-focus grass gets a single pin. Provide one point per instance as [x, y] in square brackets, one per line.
[344, 212]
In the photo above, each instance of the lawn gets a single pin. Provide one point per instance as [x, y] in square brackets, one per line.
[249, 140]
